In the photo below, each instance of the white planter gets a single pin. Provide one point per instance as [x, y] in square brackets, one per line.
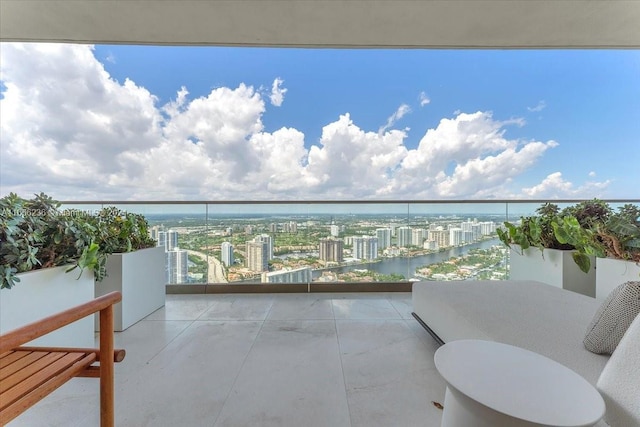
[610, 273]
[140, 277]
[41, 293]
[553, 267]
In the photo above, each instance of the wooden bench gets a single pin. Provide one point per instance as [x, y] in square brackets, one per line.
[28, 374]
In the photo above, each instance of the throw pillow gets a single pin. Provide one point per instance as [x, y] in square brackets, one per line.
[613, 318]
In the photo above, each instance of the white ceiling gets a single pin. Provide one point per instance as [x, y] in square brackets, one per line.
[328, 23]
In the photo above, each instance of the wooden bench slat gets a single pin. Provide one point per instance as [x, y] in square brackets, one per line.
[25, 367]
[10, 357]
[36, 374]
[18, 365]
[35, 394]
[118, 353]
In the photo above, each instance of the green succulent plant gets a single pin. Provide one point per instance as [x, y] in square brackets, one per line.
[36, 234]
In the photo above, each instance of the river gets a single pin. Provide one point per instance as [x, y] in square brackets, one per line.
[407, 266]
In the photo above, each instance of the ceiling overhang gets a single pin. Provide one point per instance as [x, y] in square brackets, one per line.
[328, 23]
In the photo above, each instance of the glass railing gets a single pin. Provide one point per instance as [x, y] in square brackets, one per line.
[252, 243]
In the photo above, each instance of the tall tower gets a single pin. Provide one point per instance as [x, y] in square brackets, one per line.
[440, 236]
[456, 236]
[365, 247]
[331, 250]
[418, 236]
[177, 266]
[265, 238]
[384, 237]
[226, 250]
[257, 256]
[162, 239]
[171, 241]
[404, 236]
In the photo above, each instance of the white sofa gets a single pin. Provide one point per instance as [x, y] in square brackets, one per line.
[532, 315]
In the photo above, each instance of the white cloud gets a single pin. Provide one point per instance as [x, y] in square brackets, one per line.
[277, 92]
[351, 161]
[554, 186]
[539, 107]
[424, 99]
[475, 143]
[397, 115]
[70, 130]
[592, 174]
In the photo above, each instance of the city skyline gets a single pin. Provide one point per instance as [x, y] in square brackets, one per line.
[291, 251]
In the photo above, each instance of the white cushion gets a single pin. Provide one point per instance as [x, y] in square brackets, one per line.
[613, 318]
[619, 382]
[532, 315]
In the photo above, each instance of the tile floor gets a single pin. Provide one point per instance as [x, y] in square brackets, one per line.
[265, 360]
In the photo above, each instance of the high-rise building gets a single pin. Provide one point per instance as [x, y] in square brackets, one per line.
[290, 227]
[335, 230]
[467, 237]
[172, 240]
[168, 239]
[153, 231]
[476, 229]
[384, 237]
[440, 236]
[273, 227]
[177, 266]
[161, 239]
[226, 253]
[404, 236]
[331, 250]
[456, 236]
[257, 255]
[487, 228]
[269, 241]
[365, 247]
[298, 275]
[418, 236]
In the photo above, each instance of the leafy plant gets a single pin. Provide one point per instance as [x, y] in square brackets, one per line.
[118, 231]
[620, 234]
[534, 231]
[590, 213]
[36, 234]
[568, 230]
[589, 227]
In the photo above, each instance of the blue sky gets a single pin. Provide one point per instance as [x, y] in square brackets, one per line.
[468, 124]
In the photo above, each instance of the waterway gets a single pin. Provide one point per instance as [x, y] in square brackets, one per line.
[407, 265]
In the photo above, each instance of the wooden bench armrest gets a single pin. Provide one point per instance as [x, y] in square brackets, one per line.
[24, 334]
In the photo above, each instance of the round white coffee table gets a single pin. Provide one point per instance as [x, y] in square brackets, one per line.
[494, 384]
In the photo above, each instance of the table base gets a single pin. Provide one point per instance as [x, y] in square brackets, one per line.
[461, 411]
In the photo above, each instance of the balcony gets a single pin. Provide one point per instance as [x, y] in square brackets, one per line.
[252, 353]
[350, 358]
[323, 359]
